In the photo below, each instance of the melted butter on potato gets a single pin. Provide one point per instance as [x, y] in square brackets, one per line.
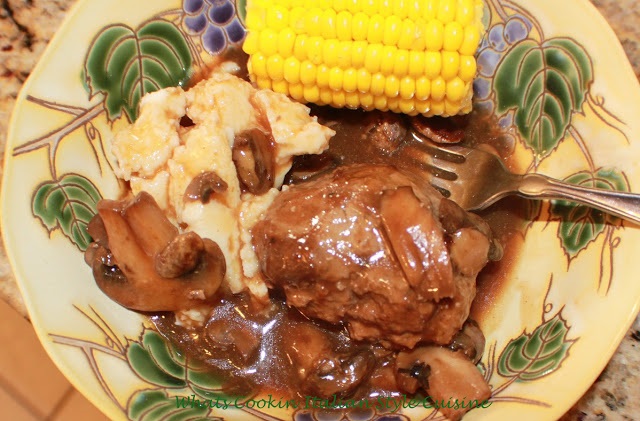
[158, 155]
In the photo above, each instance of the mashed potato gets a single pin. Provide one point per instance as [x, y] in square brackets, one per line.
[158, 155]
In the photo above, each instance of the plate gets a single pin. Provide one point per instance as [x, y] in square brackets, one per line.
[561, 88]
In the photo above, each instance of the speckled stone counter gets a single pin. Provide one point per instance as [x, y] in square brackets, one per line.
[26, 26]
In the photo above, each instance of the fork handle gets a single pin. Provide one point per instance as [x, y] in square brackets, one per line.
[622, 204]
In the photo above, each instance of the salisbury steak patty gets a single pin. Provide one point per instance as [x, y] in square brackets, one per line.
[370, 247]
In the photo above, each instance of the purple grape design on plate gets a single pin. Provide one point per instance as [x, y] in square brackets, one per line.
[497, 43]
[215, 22]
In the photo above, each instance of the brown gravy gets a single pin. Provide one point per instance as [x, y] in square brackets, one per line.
[251, 346]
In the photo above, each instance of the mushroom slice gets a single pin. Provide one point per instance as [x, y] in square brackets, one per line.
[418, 243]
[439, 129]
[470, 341]
[141, 287]
[447, 376]
[321, 368]
[253, 156]
[205, 185]
[149, 224]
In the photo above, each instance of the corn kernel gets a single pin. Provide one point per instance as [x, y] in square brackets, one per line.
[413, 9]
[465, 12]
[388, 59]
[328, 24]
[312, 22]
[259, 64]
[311, 93]
[354, 6]
[350, 80]
[366, 100]
[360, 27]
[451, 107]
[373, 58]
[471, 41]
[438, 89]
[450, 65]
[416, 63]
[423, 106]
[343, 26]
[300, 47]
[326, 95]
[314, 49]
[308, 72]
[280, 86]
[352, 100]
[263, 82]
[453, 36]
[455, 89]
[296, 19]
[392, 27]
[401, 64]
[338, 99]
[392, 86]
[423, 88]
[375, 31]
[340, 5]
[268, 42]
[400, 7]
[296, 91]
[430, 9]
[292, 70]
[394, 104]
[437, 108]
[335, 78]
[468, 68]
[407, 106]
[371, 7]
[407, 34]
[407, 87]
[380, 103]
[385, 8]
[377, 84]
[275, 67]
[419, 39]
[447, 11]
[286, 41]
[250, 45]
[358, 53]
[344, 54]
[434, 35]
[432, 64]
[277, 18]
[364, 80]
[322, 76]
[255, 22]
[330, 52]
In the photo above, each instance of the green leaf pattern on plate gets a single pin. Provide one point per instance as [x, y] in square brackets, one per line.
[580, 225]
[67, 204]
[545, 83]
[125, 64]
[157, 362]
[532, 356]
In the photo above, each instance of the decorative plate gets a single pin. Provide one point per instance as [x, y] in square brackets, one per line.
[562, 88]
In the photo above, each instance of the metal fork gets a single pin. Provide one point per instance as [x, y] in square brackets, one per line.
[475, 179]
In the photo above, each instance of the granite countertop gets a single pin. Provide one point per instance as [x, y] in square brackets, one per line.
[26, 26]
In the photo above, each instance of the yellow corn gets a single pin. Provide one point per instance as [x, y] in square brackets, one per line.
[405, 56]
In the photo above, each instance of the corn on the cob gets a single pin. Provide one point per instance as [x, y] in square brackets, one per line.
[408, 56]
